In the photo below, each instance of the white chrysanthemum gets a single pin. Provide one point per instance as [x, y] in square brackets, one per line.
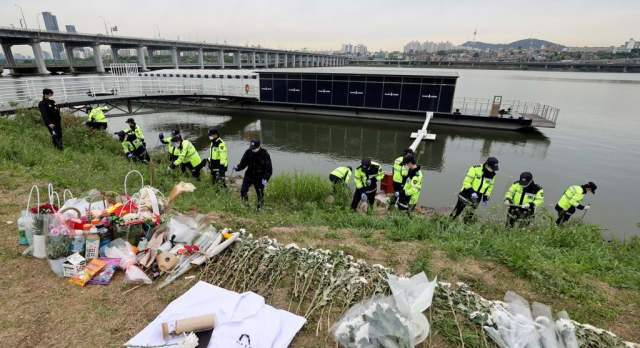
[362, 280]
[353, 270]
[350, 258]
[292, 245]
[190, 341]
[444, 284]
[243, 231]
[384, 306]
[271, 248]
[342, 330]
[328, 265]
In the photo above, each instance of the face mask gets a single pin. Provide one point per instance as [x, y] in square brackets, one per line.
[255, 150]
[406, 167]
[211, 137]
[489, 170]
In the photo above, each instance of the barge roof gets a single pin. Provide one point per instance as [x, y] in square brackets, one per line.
[363, 71]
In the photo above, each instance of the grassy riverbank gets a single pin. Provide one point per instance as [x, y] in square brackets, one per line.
[569, 268]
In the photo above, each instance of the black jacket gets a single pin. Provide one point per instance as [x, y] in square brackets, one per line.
[50, 112]
[258, 164]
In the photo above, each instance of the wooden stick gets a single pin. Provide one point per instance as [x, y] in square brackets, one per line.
[152, 167]
[132, 289]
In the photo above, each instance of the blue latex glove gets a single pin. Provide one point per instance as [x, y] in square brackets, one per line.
[368, 182]
[235, 167]
[264, 182]
[397, 194]
[364, 196]
[485, 203]
[129, 155]
[474, 195]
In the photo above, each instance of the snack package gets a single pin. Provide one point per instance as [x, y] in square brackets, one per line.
[103, 277]
[82, 277]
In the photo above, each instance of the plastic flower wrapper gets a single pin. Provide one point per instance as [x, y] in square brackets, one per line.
[132, 273]
[542, 316]
[413, 296]
[376, 322]
[567, 330]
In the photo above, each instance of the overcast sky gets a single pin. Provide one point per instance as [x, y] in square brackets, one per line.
[326, 24]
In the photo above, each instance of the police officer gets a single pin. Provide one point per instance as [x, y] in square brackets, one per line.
[173, 151]
[476, 187]
[399, 175]
[572, 199]
[50, 113]
[340, 176]
[133, 147]
[523, 197]
[96, 118]
[135, 129]
[217, 157]
[189, 158]
[408, 196]
[366, 177]
[259, 170]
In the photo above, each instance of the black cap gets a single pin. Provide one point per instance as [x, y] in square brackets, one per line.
[366, 162]
[408, 152]
[525, 178]
[175, 132]
[212, 131]
[493, 163]
[176, 138]
[89, 107]
[592, 186]
[350, 169]
[120, 135]
[130, 120]
[408, 159]
[255, 143]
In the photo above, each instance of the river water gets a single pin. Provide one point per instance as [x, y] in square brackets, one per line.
[597, 139]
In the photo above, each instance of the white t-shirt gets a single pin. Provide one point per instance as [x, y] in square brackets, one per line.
[242, 320]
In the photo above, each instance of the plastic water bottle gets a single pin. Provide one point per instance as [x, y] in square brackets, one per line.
[22, 228]
[77, 246]
[105, 240]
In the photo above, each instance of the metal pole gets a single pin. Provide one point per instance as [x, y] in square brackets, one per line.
[585, 211]
[159, 36]
[105, 25]
[38, 20]
[197, 39]
[24, 20]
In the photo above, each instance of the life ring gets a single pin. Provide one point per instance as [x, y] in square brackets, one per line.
[246, 88]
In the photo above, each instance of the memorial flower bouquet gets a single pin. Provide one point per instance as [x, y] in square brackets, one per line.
[58, 242]
[41, 217]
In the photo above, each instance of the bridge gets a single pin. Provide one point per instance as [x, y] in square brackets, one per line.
[209, 55]
[603, 64]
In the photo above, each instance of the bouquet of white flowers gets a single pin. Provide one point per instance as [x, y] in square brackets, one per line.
[374, 323]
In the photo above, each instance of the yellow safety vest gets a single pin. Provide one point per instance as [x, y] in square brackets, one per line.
[412, 187]
[128, 146]
[475, 181]
[137, 131]
[517, 197]
[188, 153]
[361, 177]
[400, 172]
[572, 197]
[343, 173]
[218, 153]
[96, 115]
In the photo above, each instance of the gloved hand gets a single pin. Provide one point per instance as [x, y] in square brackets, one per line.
[172, 166]
[474, 195]
[363, 196]
[104, 104]
[485, 203]
[169, 168]
[368, 182]
[587, 207]
[397, 194]
[129, 155]
[161, 136]
[526, 206]
[235, 167]
[264, 182]
[507, 202]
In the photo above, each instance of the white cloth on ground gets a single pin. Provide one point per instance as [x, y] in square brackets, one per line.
[242, 320]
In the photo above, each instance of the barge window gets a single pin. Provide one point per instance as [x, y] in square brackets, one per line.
[431, 81]
[392, 79]
[375, 78]
[340, 77]
[356, 78]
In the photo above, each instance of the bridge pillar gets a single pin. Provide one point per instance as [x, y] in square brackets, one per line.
[69, 51]
[221, 58]
[253, 59]
[6, 48]
[293, 61]
[175, 58]
[97, 55]
[237, 58]
[277, 65]
[114, 54]
[266, 59]
[624, 70]
[39, 57]
[201, 58]
[141, 61]
[150, 53]
[286, 60]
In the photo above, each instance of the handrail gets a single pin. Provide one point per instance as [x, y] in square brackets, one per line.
[482, 106]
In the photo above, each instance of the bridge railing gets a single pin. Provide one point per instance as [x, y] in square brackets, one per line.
[482, 107]
[27, 92]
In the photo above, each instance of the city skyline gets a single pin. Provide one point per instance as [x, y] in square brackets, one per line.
[382, 26]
